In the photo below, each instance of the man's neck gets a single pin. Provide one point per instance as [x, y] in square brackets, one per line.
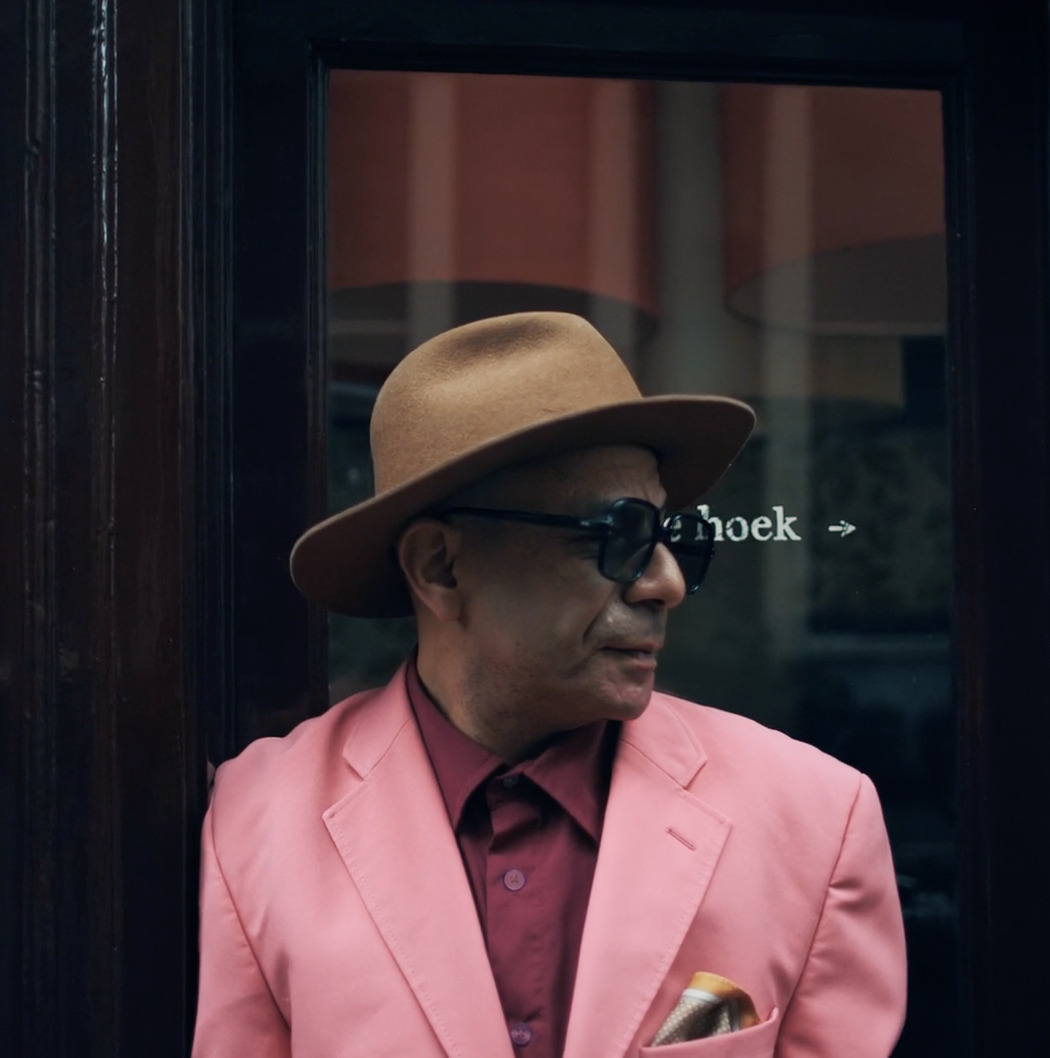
[511, 741]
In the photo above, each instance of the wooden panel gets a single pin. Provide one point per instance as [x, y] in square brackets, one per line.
[1000, 400]
[99, 741]
[277, 379]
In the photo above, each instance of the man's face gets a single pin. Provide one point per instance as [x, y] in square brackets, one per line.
[551, 643]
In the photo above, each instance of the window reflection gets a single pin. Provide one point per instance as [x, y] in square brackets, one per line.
[781, 244]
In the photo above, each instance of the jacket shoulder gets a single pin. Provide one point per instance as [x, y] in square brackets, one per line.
[276, 778]
[741, 750]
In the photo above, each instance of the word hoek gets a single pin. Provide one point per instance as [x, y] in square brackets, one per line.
[761, 528]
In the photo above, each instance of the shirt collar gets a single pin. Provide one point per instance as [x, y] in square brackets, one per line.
[574, 767]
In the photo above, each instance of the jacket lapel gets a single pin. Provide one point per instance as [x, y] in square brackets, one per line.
[658, 851]
[393, 834]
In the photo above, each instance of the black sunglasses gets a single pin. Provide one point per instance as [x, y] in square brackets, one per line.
[629, 532]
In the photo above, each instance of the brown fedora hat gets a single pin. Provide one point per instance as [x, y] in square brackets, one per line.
[481, 397]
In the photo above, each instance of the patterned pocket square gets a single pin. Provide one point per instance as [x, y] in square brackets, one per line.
[710, 1006]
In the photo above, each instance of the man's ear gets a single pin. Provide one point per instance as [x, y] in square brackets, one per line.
[427, 552]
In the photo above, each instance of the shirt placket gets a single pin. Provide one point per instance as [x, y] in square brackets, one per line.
[516, 926]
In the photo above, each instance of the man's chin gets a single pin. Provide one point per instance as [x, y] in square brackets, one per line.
[630, 702]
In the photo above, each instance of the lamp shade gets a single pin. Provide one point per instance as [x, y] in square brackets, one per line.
[834, 209]
[493, 193]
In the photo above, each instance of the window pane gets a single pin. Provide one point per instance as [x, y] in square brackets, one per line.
[781, 244]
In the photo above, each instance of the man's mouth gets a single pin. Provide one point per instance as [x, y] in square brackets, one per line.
[640, 650]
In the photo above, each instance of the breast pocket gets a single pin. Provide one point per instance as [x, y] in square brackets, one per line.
[756, 1042]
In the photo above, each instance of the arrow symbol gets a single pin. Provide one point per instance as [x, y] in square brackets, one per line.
[843, 527]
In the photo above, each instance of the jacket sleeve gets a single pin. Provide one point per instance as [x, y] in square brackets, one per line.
[851, 995]
[236, 1012]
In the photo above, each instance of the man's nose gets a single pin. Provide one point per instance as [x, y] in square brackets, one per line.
[661, 581]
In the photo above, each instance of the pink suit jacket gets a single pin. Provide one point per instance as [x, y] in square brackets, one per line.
[337, 920]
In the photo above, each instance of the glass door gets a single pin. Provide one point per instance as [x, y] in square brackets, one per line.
[783, 244]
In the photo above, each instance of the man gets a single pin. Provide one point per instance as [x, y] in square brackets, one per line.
[517, 847]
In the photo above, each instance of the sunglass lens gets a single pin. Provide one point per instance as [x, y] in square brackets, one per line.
[631, 539]
[691, 541]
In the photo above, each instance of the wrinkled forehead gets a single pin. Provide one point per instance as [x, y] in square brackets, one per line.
[575, 481]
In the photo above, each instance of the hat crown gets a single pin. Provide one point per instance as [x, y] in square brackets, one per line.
[487, 380]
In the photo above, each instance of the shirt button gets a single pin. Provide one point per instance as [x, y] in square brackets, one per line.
[509, 781]
[514, 879]
[520, 1034]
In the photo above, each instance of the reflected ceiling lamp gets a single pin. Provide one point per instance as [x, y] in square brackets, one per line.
[834, 209]
[453, 196]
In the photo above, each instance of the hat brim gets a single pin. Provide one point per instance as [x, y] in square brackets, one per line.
[348, 563]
